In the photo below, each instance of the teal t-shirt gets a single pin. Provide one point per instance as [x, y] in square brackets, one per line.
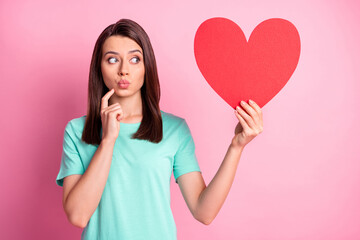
[135, 203]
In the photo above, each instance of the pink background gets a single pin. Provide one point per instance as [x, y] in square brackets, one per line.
[299, 179]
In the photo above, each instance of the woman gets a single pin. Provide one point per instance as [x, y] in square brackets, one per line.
[118, 159]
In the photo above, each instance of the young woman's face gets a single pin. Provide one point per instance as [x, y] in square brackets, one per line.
[122, 65]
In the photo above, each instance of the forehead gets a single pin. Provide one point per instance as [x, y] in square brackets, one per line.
[120, 44]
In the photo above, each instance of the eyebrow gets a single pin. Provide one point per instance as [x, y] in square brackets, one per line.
[116, 53]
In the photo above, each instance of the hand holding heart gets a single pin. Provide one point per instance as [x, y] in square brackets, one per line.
[238, 69]
[250, 124]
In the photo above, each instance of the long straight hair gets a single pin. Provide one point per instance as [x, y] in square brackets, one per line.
[151, 125]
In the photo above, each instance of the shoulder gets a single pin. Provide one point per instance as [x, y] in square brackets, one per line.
[172, 122]
[75, 126]
[171, 119]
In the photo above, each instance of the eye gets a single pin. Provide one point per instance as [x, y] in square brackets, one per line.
[112, 60]
[135, 60]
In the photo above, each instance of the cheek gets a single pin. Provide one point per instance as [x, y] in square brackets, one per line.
[140, 72]
[138, 77]
[141, 77]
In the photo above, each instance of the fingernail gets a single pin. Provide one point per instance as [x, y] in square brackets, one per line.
[237, 107]
[251, 101]
[242, 103]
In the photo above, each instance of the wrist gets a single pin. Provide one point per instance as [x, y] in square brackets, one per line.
[237, 148]
[107, 141]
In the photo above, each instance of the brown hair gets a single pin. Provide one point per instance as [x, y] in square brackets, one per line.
[151, 124]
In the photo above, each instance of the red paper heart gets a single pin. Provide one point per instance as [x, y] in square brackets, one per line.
[240, 70]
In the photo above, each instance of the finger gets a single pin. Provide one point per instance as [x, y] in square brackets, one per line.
[259, 112]
[115, 104]
[257, 118]
[256, 107]
[242, 121]
[116, 113]
[249, 110]
[111, 107]
[249, 120]
[105, 98]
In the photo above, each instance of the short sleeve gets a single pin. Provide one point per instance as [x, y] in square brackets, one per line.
[185, 159]
[70, 158]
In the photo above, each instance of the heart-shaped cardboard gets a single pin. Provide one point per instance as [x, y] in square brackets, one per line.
[240, 70]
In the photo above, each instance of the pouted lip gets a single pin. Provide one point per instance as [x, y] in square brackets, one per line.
[123, 81]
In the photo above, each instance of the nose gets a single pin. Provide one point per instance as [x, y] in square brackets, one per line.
[123, 69]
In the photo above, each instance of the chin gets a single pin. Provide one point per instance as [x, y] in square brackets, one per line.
[123, 92]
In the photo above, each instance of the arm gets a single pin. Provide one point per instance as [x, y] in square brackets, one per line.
[81, 201]
[205, 202]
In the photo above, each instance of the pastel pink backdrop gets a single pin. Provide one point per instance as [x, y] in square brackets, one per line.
[299, 179]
